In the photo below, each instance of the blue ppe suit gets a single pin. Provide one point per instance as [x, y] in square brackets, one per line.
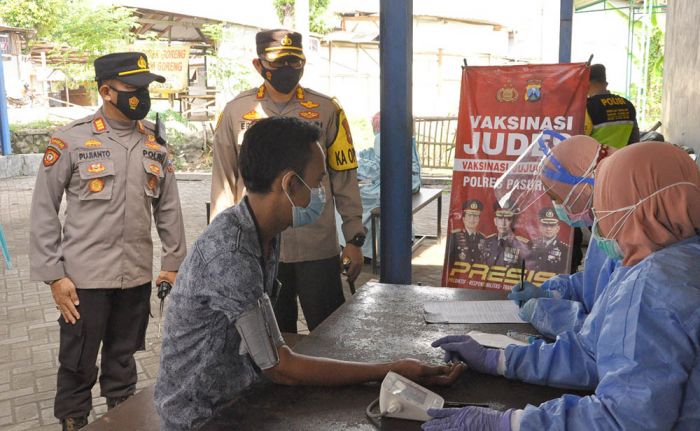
[579, 292]
[639, 348]
[368, 174]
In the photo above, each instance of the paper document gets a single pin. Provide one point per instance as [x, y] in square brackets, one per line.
[497, 341]
[504, 311]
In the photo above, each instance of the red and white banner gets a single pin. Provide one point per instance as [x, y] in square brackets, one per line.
[502, 110]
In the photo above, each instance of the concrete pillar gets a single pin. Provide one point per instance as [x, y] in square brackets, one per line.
[681, 93]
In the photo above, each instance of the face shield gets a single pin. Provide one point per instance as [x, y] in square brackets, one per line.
[521, 185]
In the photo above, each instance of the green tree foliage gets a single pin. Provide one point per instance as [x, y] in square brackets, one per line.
[74, 26]
[85, 28]
[41, 15]
[318, 13]
[231, 73]
[649, 107]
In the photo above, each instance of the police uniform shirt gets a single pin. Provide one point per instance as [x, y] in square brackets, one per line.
[466, 247]
[611, 120]
[319, 240]
[509, 250]
[548, 255]
[115, 177]
[222, 277]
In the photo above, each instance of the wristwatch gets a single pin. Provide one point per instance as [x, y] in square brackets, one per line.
[358, 240]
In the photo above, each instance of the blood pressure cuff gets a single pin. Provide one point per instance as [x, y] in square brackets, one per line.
[260, 335]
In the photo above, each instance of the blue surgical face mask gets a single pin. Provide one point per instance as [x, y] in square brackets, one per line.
[302, 216]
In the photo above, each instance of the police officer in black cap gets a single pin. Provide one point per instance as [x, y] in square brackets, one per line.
[548, 254]
[467, 244]
[117, 176]
[310, 256]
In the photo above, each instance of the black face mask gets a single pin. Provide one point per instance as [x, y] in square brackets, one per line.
[133, 104]
[284, 79]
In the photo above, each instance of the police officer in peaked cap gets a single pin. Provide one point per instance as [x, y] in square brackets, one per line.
[118, 178]
[310, 256]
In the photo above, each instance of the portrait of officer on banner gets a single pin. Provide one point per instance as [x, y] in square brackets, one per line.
[466, 244]
[505, 248]
[548, 252]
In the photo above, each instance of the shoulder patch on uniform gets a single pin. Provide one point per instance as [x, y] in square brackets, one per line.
[309, 104]
[309, 115]
[59, 143]
[51, 156]
[261, 92]
[153, 145]
[341, 154]
[300, 93]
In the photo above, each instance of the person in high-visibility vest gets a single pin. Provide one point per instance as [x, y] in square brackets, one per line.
[610, 119]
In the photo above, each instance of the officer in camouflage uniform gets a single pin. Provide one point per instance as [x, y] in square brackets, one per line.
[548, 253]
[116, 175]
[309, 255]
[466, 244]
[504, 248]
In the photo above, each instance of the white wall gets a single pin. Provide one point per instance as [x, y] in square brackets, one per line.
[681, 99]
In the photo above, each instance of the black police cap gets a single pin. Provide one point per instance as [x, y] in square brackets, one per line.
[548, 216]
[278, 43]
[473, 205]
[128, 67]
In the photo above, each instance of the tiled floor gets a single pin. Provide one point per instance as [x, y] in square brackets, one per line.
[28, 328]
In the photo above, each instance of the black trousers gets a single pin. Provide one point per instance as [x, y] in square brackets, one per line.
[320, 291]
[117, 318]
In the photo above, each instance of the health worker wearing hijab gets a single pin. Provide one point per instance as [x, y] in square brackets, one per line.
[563, 302]
[639, 349]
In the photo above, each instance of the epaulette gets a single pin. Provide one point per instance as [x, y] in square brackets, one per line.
[337, 104]
[522, 239]
[251, 92]
[73, 124]
[316, 93]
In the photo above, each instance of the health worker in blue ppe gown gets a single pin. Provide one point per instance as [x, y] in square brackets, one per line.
[563, 302]
[639, 349]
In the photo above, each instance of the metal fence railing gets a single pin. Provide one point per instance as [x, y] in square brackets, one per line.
[435, 141]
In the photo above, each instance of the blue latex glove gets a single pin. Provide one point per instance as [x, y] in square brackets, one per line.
[523, 292]
[528, 310]
[465, 348]
[469, 418]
